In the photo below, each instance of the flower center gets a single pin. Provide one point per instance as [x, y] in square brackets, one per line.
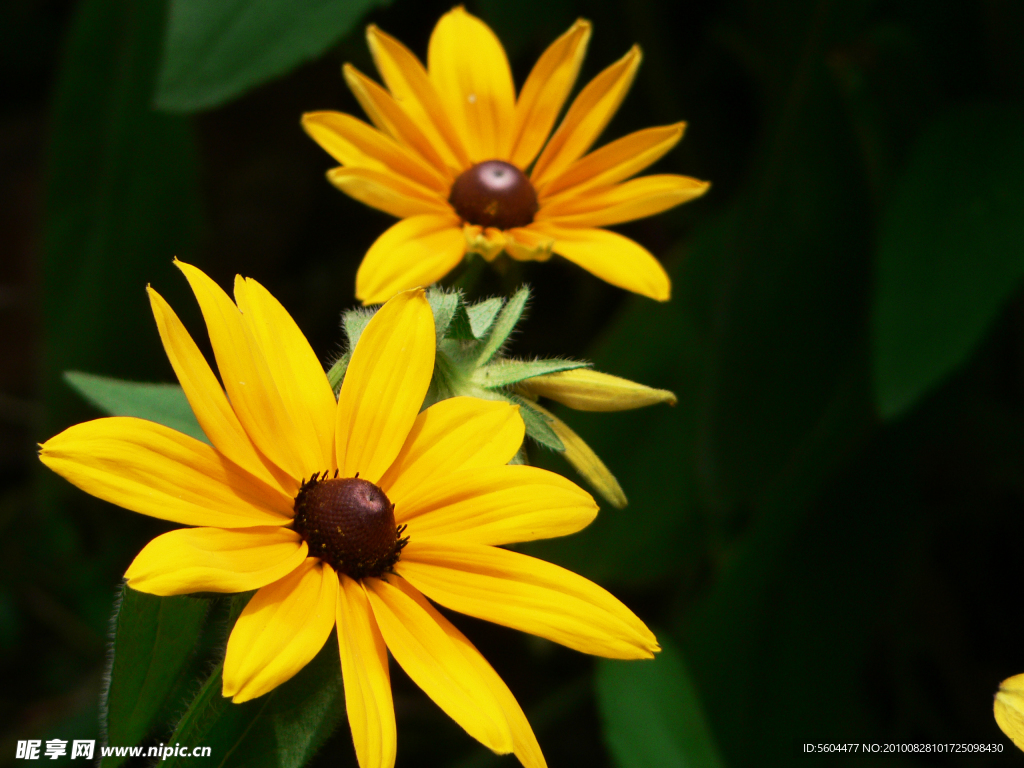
[494, 194]
[350, 524]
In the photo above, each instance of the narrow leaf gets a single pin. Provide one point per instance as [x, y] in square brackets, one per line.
[502, 373]
[216, 51]
[951, 250]
[154, 638]
[652, 713]
[163, 403]
[504, 324]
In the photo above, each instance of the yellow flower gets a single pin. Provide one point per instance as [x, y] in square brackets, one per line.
[346, 513]
[452, 147]
[1008, 708]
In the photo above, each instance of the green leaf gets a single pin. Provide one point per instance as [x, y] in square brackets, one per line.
[354, 322]
[163, 403]
[121, 200]
[482, 315]
[501, 373]
[154, 638]
[504, 324]
[537, 425]
[450, 319]
[951, 250]
[216, 51]
[281, 729]
[652, 713]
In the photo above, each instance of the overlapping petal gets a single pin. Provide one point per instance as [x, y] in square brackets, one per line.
[470, 71]
[586, 118]
[437, 664]
[612, 257]
[416, 251]
[497, 505]
[545, 91]
[524, 593]
[387, 191]
[154, 470]
[364, 667]
[634, 199]
[204, 393]
[282, 628]
[215, 560]
[384, 387]
[455, 434]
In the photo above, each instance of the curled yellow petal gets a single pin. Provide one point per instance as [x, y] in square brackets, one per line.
[1008, 709]
[279, 632]
[586, 462]
[215, 560]
[527, 594]
[585, 389]
[488, 242]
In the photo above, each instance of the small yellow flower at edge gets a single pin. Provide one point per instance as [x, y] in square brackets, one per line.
[1008, 709]
[349, 513]
[453, 145]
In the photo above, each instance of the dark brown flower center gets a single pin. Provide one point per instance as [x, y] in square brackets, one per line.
[350, 524]
[494, 194]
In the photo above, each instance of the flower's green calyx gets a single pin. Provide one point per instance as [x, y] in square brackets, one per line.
[470, 361]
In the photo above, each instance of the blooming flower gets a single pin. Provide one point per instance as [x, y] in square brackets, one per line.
[348, 513]
[451, 151]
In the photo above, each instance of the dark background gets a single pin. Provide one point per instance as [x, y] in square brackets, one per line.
[828, 526]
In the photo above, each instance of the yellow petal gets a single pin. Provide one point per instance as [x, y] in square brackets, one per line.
[611, 257]
[588, 390]
[410, 84]
[204, 393]
[280, 631]
[364, 668]
[215, 560]
[388, 115]
[524, 593]
[416, 251]
[1008, 709]
[497, 505]
[545, 91]
[634, 199]
[488, 242]
[355, 144]
[436, 664]
[614, 162]
[151, 469]
[246, 376]
[585, 461]
[470, 71]
[457, 433]
[524, 743]
[387, 191]
[524, 244]
[586, 118]
[384, 385]
[297, 374]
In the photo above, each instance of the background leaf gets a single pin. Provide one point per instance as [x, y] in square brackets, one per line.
[950, 252]
[652, 713]
[163, 403]
[216, 51]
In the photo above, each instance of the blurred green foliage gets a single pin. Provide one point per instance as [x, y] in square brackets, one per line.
[826, 526]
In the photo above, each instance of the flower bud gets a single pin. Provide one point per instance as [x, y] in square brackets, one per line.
[585, 389]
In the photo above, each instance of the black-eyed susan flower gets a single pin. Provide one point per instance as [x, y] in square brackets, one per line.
[348, 513]
[469, 167]
[472, 360]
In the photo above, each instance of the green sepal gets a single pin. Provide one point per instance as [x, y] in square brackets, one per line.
[450, 318]
[482, 315]
[163, 403]
[537, 425]
[652, 713]
[281, 729]
[154, 640]
[354, 322]
[503, 373]
[504, 325]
